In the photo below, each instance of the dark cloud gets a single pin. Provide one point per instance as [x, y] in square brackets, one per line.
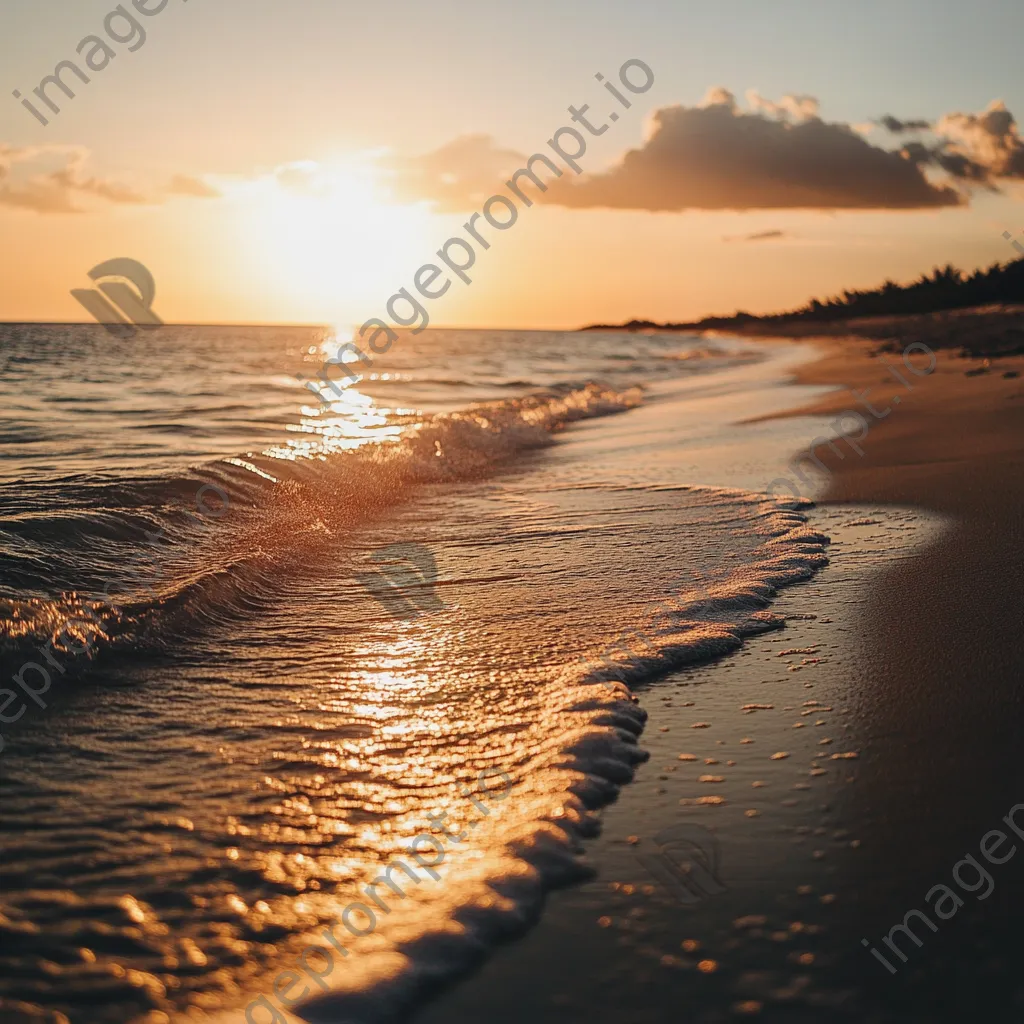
[898, 127]
[185, 185]
[990, 140]
[954, 164]
[717, 157]
[976, 149]
[708, 157]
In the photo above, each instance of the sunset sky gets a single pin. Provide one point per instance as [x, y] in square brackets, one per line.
[274, 162]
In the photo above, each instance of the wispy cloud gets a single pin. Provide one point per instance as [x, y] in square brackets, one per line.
[990, 140]
[898, 127]
[458, 176]
[757, 236]
[56, 190]
[198, 188]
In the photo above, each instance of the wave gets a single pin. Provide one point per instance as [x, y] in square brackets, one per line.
[108, 563]
[590, 752]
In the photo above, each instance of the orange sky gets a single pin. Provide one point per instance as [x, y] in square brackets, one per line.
[294, 189]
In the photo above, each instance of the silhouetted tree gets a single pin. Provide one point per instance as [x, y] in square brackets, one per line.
[944, 288]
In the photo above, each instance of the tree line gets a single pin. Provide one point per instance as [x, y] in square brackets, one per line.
[944, 288]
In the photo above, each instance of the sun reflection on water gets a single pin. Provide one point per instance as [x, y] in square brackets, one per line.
[346, 418]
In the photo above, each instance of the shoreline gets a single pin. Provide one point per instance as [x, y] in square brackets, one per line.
[758, 752]
[931, 658]
[976, 331]
[594, 468]
[693, 404]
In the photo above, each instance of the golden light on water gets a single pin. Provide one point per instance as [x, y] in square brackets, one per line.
[330, 346]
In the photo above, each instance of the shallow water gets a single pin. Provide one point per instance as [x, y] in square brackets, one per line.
[238, 736]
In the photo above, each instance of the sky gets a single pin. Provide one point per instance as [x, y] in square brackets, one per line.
[299, 162]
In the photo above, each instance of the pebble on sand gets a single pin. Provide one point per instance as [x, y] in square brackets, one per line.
[750, 921]
[748, 1007]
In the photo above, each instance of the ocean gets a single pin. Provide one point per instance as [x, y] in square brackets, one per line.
[262, 647]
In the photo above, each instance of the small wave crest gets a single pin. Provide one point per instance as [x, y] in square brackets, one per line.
[103, 563]
[591, 751]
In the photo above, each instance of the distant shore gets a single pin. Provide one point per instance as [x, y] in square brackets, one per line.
[980, 332]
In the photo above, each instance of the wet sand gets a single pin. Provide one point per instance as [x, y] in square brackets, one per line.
[914, 642]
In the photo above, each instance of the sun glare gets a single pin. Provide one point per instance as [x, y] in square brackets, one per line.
[328, 239]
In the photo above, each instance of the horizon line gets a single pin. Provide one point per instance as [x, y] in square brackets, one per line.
[306, 323]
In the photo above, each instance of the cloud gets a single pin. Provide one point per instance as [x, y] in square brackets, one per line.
[718, 157]
[802, 107]
[12, 154]
[55, 191]
[186, 185]
[990, 140]
[38, 196]
[757, 236]
[458, 176]
[957, 165]
[976, 149]
[897, 127]
[713, 156]
[303, 177]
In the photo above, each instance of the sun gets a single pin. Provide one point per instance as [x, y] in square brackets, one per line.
[328, 240]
